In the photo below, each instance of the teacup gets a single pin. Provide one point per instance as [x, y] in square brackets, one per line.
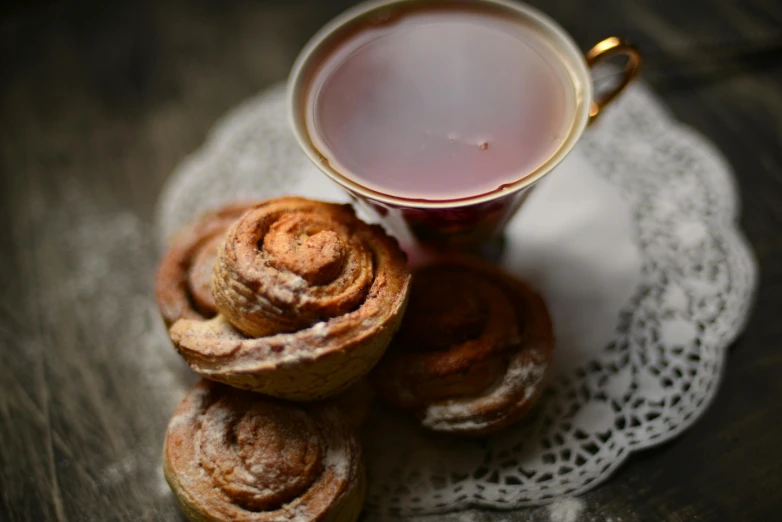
[415, 108]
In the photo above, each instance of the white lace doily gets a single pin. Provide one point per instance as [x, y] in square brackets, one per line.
[632, 240]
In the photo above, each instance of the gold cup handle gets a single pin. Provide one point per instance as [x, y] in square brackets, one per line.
[612, 46]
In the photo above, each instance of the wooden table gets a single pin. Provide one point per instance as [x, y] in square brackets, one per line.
[100, 100]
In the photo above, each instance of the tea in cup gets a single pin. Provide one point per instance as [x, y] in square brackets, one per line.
[442, 115]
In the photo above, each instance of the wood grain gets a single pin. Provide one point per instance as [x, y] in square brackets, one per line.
[100, 100]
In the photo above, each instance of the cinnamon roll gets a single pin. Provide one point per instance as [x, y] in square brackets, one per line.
[232, 455]
[473, 351]
[183, 286]
[308, 297]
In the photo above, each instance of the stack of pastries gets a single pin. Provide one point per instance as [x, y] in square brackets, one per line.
[284, 306]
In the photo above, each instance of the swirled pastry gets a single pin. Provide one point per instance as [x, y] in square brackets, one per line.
[473, 351]
[309, 297]
[232, 455]
[183, 286]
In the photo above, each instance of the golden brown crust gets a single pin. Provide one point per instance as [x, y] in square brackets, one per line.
[309, 296]
[231, 455]
[183, 286]
[290, 263]
[473, 352]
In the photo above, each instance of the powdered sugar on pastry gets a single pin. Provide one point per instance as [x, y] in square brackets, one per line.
[473, 351]
[523, 379]
[234, 455]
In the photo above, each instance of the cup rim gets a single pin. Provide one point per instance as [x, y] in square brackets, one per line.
[573, 61]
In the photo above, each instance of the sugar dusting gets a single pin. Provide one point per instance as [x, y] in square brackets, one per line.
[207, 425]
[117, 472]
[567, 509]
[458, 414]
[122, 310]
[105, 274]
[319, 330]
[336, 460]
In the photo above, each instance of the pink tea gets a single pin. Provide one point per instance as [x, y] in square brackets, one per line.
[439, 103]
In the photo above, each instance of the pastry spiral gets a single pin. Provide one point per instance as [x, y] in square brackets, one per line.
[183, 286]
[309, 297]
[231, 455]
[473, 351]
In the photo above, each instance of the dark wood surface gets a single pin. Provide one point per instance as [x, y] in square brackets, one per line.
[100, 100]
